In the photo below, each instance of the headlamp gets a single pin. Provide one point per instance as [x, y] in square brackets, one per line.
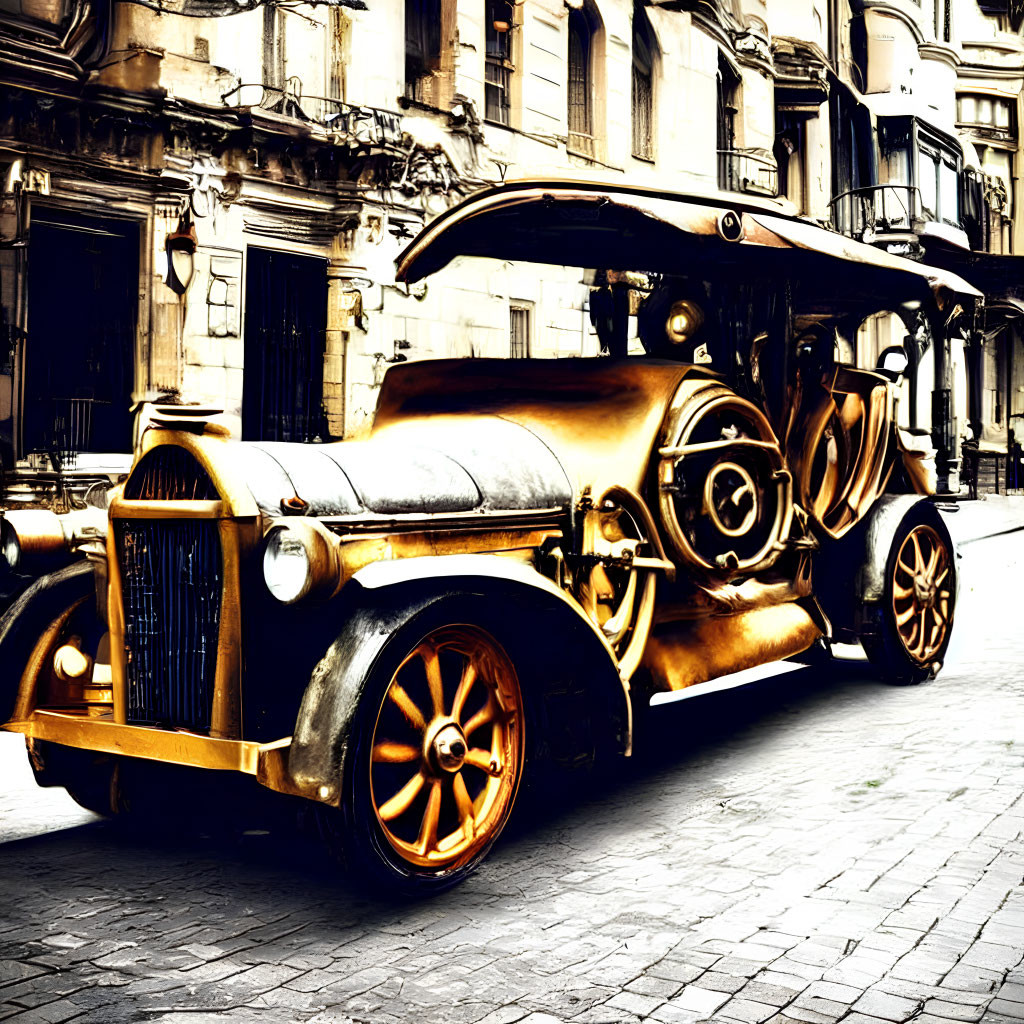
[9, 545]
[301, 558]
[287, 565]
[685, 318]
[33, 540]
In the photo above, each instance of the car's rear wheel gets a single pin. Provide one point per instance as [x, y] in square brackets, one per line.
[911, 626]
[437, 756]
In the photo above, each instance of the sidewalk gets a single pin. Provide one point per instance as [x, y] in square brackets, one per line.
[987, 516]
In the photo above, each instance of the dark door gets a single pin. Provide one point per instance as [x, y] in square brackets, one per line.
[285, 332]
[83, 280]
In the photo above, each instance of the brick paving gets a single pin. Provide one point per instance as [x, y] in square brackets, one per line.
[814, 848]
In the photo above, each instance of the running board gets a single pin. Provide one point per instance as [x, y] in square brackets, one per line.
[734, 679]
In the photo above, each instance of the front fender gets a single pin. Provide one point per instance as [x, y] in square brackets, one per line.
[385, 597]
[28, 618]
[850, 573]
[882, 524]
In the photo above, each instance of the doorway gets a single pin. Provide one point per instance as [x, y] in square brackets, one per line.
[79, 354]
[285, 335]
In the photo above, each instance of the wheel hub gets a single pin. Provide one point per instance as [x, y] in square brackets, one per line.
[448, 748]
[924, 590]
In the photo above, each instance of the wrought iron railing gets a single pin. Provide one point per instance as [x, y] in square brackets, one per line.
[876, 209]
[739, 171]
[70, 429]
[365, 125]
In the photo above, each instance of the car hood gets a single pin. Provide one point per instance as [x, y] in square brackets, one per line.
[495, 467]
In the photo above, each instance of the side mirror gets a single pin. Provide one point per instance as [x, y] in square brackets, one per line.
[893, 362]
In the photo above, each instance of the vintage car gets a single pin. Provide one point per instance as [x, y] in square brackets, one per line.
[522, 555]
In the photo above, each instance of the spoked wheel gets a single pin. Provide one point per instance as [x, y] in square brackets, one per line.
[912, 625]
[922, 600]
[435, 771]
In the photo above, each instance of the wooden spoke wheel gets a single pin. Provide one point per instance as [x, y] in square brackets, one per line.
[922, 594]
[906, 633]
[447, 749]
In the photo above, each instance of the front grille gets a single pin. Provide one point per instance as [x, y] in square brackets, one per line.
[171, 579]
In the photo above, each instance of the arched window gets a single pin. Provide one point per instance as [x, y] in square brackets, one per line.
[644, 56]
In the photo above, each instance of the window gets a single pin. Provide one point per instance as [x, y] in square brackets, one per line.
[938, 180]
[919, 176]
[498, 66]
[339, 27]
[728, 84]
[789, 151]
[644, 51]
[422, 48]
[519, 332]
[273, 54]
[579, 88]
[989, 117]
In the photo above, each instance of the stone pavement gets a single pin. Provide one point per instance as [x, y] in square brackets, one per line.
[814, 848]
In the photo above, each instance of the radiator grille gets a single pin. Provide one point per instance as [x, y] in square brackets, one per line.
[170, 473]
[171, 579]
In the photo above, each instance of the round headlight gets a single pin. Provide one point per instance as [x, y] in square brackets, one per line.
[685, 318]
[287, 565]
[10, 545]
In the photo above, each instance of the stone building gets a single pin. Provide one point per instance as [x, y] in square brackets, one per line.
[202, 199]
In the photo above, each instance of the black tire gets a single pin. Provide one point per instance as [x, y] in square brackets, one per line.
[87, 776]
[902, 654]
[377, 851]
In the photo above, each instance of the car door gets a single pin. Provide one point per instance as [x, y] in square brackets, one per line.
[840, 444]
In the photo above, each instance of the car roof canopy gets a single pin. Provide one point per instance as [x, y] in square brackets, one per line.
[618, 228]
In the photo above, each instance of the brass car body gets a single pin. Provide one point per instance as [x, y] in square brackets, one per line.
[665, 519]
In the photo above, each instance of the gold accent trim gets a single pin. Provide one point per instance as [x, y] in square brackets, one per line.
[207, 450]
[237, 538]
[184, 748]
[116, 629]
[122, 508]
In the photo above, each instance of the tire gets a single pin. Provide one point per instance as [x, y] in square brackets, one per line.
[88, 777]
[437, 751]
[906, 635]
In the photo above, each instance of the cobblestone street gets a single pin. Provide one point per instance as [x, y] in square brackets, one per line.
[815, 847]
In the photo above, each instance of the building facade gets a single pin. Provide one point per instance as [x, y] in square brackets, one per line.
[202, 200]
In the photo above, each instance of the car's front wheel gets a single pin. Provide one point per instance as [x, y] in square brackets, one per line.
[910, 628]
[437, 754]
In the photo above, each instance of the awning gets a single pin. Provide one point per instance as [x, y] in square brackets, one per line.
[615, 227]
[831, 243]
[1000, 277]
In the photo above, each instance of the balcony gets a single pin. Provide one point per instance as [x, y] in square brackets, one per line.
[740, 171]
[866, 213]
[344, 123]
